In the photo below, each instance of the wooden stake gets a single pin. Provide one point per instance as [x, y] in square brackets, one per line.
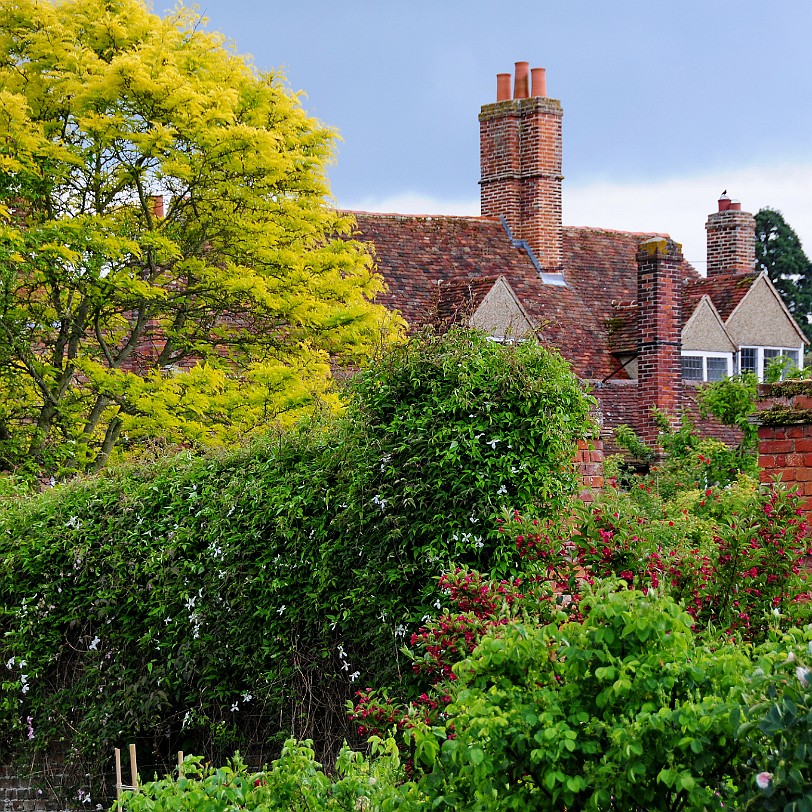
[134, 768]
[180, 763]
[118, 778]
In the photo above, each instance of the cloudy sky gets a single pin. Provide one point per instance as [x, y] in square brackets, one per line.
[666, 102]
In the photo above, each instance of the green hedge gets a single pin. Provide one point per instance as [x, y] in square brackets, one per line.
[228, 602]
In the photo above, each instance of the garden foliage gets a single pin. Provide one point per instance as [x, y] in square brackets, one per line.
[226, 602]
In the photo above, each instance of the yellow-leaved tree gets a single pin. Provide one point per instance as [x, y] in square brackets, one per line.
[170, 265]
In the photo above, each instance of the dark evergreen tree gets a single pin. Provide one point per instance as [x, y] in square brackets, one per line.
[779, 252]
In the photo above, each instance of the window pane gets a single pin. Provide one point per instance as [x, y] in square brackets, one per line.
[793, 356]
[747, 359]
[692, 368]
[717, 369]
[771, 354]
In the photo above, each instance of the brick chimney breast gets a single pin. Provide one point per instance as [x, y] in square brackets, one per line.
[659, 325]
[521, 161]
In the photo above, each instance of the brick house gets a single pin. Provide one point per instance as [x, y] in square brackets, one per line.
[634, 319]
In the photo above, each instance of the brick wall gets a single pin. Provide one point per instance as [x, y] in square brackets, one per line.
[731, 239]
[659, 310]
[19, 795]
[589, 461]
[520, 160]
[785, 436]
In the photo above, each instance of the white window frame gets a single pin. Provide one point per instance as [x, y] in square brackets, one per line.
[760, 356]
[704, 355]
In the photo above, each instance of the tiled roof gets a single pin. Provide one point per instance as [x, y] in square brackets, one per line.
[458, 299]
[725, 291]
[416, 252]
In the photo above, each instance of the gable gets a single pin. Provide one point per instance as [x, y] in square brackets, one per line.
[501, 315]
[760, 319]
[704, 330]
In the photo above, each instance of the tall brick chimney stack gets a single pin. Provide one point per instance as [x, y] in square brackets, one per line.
[731, 238]
[659, 317]
[520, 159]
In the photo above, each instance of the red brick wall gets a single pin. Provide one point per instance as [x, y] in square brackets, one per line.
[520, 160]
[659, 310]
[785, 436]
[731, 242]
[589, 460]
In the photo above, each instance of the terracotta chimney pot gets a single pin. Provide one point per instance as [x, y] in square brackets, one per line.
[157, 202]
[724, 203]
[502, 86]
[539, 82]
[521, 89]
[735, 205]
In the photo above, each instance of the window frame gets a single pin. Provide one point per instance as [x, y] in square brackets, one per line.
[760, 349]
[705, 355]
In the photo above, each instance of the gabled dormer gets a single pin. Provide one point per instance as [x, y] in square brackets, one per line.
[708, 353]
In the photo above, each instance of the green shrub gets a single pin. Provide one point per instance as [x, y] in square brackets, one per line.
[624, 710]
[295, 782]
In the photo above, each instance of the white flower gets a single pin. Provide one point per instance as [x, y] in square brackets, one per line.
[400, 630]
[502, 490]
[379, 501]
[235, 707]
[247, 697]
[437, 604]
[281, 609]
[776, 612]
[10, 663]
[354, 676]
[492, 443]
[763, 780]
[791, 657]
[340, 650]
[802, 674]
[94, 644]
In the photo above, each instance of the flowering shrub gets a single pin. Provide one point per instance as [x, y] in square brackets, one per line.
[731, 555]
[226, 602]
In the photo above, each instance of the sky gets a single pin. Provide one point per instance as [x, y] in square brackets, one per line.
[666, 102]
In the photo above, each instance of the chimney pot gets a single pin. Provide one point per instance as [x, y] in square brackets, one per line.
[735, 205]
[724, 203]
[539, 82]
[520, 86]
[157, 202]
[502, 86]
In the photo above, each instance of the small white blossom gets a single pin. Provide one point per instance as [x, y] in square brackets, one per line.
[281, 609]
[791, 657]
[354, 676]
[502, 490]
[94, 644]
[492, 443]
[10, 663]
[247, 697]
[437, 604]
[235, 707]
[802, 674]
[379, 501]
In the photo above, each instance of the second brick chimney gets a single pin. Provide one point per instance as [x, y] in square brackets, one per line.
[659, 325]
[520, 160]
[731, 238]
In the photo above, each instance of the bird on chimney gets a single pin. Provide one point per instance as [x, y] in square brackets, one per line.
[724, 193]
